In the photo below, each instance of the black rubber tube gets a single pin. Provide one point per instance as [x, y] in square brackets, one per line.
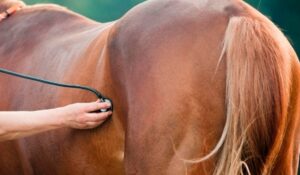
[73, 86]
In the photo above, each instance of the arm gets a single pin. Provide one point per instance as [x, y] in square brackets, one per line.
[15, 125]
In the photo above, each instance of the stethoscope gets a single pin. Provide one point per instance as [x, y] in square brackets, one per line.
[73, 86]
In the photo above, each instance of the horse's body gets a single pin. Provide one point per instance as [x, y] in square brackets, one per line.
[160, 64]
[77, 51]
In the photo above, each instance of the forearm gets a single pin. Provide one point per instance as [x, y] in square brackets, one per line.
[15, 125]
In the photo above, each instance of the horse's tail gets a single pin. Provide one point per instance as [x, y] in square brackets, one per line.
[258, 59]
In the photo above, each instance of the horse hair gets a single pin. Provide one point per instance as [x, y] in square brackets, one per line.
[258, 58]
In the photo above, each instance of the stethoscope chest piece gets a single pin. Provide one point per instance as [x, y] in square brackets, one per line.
[107, 101]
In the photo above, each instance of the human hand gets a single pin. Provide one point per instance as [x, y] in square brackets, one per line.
[82, 116]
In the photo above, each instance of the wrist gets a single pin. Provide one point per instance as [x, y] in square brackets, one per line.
[54, 117]
[60, 116]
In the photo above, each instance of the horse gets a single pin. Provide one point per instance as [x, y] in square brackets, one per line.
[198, 87]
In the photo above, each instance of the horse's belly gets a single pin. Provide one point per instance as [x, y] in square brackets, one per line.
[10, 160]
[64, 152]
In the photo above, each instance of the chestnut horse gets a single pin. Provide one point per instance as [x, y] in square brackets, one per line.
[199, 87]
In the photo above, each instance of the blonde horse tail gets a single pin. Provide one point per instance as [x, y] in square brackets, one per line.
[260, 136]
[259, 74]
[258, 59]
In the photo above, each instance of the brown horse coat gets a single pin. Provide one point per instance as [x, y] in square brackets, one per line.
[160, 64]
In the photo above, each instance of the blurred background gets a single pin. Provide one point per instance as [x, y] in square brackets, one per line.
[286, 14]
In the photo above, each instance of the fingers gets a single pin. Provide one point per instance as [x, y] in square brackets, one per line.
[93, 117]
[95, 106]
[80, 116]
[92, 120]
[96, 117]
[91, 125]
